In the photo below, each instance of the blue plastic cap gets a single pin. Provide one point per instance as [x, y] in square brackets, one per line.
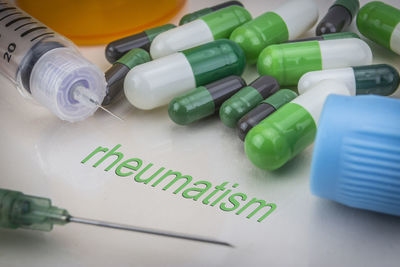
[356, 158]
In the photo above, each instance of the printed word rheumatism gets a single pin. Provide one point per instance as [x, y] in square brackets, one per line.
[223, 195]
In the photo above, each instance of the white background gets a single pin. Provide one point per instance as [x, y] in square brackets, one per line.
[40, 155]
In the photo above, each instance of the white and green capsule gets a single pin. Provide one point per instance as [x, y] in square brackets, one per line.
[380, 23]
[287, 22]
[214, 26]
[379, 79]
[290, 129]
[288, 62]
[156, 83]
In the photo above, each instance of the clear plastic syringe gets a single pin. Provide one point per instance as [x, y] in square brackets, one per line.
[18, 210]
[47, 66]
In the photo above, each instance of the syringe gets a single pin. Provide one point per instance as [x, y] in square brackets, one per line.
[47, 66]
[18, 210]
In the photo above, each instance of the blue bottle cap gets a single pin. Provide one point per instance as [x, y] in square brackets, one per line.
[356, 158]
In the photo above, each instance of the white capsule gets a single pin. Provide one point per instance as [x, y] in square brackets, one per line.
[186, 36]
[155, 83]
[310, 79]
[313, 100]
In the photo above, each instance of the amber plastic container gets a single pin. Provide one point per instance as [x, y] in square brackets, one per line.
[91, 22]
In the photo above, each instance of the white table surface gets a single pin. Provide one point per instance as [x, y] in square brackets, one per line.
[40, 155]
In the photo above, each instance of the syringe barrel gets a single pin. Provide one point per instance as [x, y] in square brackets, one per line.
[25, 47]
[22, 211]
[20, 35]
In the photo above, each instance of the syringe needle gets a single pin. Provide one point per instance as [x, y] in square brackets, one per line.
[109, 112]
[37, 213]
[145, 230]
[81, 94]
[106, 110]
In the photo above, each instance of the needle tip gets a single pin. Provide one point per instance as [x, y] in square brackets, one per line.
[146, 230]
[224, 244]
[109, 112]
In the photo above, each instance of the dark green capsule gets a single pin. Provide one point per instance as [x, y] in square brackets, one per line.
[116, 49]
[263, 110]
[379, 79]
[204, 100]
[116, 74]
[199, 13]
[246, 99]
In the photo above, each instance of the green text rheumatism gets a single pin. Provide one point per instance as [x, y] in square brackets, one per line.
[224, 196]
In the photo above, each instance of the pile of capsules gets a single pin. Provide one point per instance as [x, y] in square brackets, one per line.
[196, 68]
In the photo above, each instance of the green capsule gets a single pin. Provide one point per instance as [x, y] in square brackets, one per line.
[116, 74]
[211, 27]
[252, 40]
[116, 49]
[202, 12]
[263, 110]
[280, 137]
[134, 57]
[215, 60]
[288, 62]
[280, 98]
[204, 100]
[275, 27]
[157, 82]
[292, 128]
[246, 99]
[154, 32]
[380, 23]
